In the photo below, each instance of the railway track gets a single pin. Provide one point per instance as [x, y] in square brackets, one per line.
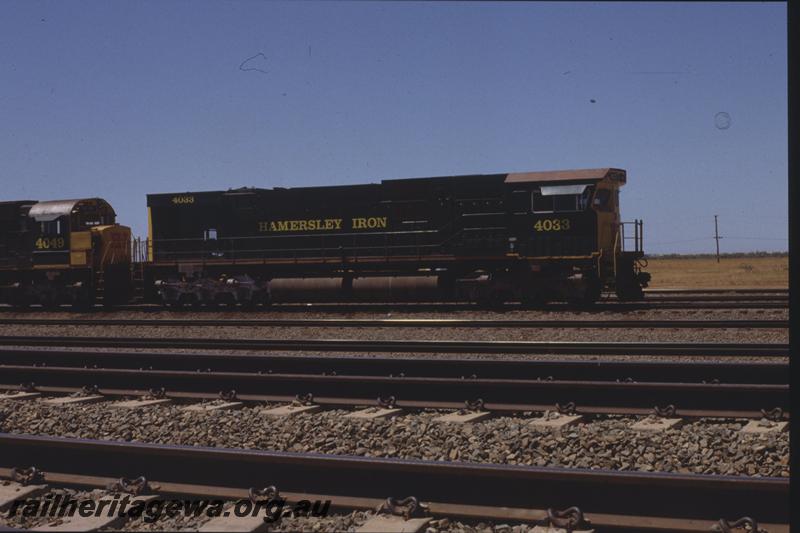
[717, 298]
[740, 390]
[603, 306]
[653, 303]
[710, 290]
[407, 346]
[570, 369]
[610, 500]
[402, 323]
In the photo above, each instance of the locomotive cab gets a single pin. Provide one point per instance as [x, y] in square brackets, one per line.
[571, 236]
[73, 251]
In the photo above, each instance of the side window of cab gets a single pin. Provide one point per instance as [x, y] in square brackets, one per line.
[603, 200]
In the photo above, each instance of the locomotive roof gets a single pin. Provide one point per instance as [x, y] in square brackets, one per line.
[597, 174]
[17, 202]
[590, 174]
[51, 210]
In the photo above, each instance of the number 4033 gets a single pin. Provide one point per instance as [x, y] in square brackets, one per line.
[552, 224]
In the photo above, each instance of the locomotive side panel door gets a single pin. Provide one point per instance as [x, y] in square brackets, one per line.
[518, 207]
[480, 217]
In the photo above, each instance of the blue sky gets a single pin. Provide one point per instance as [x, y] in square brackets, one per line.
[121, 99]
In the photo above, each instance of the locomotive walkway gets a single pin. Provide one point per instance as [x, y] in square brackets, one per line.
[609, 500]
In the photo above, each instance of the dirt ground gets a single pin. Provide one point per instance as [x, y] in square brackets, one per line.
[737, 272]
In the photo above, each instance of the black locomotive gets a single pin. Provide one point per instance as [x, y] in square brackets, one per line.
[528, 237]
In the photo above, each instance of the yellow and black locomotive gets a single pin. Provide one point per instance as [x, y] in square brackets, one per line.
[66, 251]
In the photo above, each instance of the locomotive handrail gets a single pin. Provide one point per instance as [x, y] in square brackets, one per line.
[600, 263]
[298, 236]
[637, 238]
[175, 254]
[294, 253]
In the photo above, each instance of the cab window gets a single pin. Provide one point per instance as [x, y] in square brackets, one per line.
[561, 198]
[88, 220]
[51, 227]
[542, 204]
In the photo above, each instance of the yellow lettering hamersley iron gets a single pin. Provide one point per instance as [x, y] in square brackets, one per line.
[322, 224]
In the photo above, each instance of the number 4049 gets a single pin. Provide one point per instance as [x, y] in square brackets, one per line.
[46, 244]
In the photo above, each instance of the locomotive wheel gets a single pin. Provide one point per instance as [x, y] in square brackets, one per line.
[536, 301]
[189, 299]
[491, 301]
[265, 299]
[82, 301]
[590, 295]
[108, 301]
[630, 292]
[20, 299]
[594, 293]
[21, 303]
[49, 301]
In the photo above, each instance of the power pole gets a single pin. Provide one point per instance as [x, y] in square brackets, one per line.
[716, 235]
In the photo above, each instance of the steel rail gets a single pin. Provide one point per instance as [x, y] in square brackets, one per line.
[708, 397]
[608, 522]
[407, 346]
[603, 306]
[717, 290]
[718, 298]
[689, 496]
[402, 323]
[348, 403]
[564, 369]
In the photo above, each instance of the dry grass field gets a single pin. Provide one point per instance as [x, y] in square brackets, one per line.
[730, 272]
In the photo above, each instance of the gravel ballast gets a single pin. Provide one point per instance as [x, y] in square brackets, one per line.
[731, 335]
